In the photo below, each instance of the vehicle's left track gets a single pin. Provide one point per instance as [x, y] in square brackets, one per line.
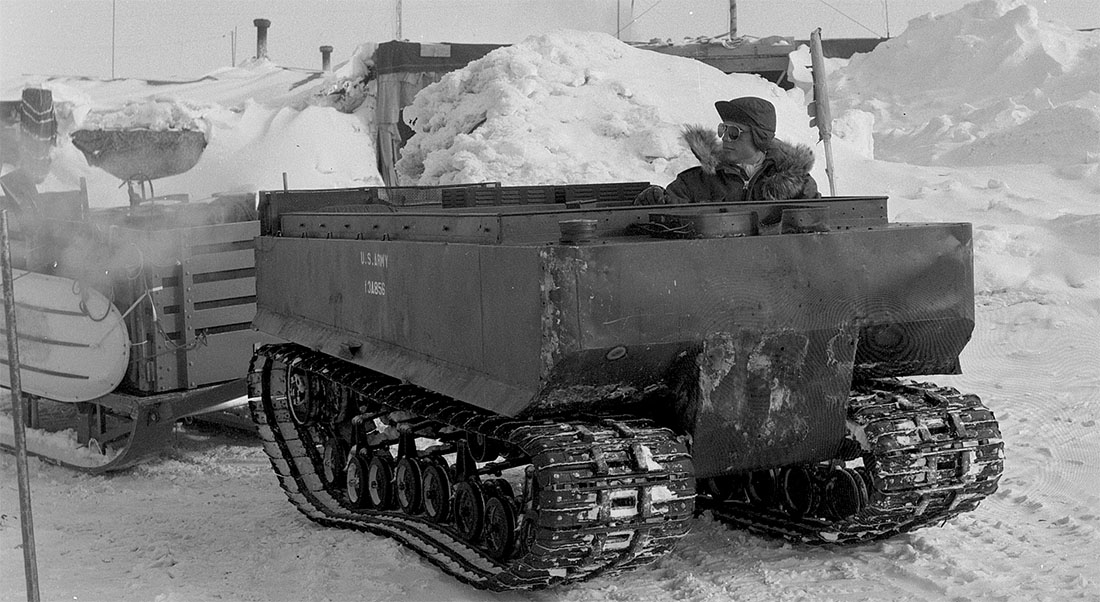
[498, 503]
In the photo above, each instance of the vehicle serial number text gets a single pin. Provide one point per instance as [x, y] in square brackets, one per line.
[374, 260]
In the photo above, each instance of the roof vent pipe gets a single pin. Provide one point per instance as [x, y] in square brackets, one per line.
[261, 37]
[326, 58]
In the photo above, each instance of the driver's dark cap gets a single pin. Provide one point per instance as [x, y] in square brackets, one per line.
[754, 112]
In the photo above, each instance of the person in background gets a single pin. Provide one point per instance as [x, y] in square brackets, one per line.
[746, 162]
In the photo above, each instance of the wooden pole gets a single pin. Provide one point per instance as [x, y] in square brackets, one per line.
[112, 39]
[887, 5]
[822, 115]
[733, 19]
[398, 20]
[30, 562]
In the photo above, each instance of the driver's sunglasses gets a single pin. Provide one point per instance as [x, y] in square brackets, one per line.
[729, 132]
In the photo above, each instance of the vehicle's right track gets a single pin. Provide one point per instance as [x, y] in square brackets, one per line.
[919, 455]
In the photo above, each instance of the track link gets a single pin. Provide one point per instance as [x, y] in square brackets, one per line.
[920, 455]
[597, 497]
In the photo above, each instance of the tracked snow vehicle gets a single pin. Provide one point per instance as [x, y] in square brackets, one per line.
[538, 385]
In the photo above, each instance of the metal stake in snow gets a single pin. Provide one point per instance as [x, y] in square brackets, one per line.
[30, 562]
[819, 108]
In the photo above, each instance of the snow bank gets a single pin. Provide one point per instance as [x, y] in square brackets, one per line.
[250, 148]
[567, 107]
[988, 84]
[154, 114]
[260, 121]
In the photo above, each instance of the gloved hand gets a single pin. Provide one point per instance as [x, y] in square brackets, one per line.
[654, 195]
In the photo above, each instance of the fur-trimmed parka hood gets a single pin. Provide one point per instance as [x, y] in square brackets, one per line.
[786, 166]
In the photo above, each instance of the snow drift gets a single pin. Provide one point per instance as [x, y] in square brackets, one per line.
[260, 120]
[989, 84]
[571, 107]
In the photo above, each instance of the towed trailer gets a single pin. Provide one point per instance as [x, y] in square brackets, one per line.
[130, 319]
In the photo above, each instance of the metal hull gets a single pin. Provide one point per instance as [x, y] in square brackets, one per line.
[757, 338]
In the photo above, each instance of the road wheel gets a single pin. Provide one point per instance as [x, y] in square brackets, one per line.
[437, 492]
[334, 462]
[408, 479]
[300, 396]
[380, 482]
[356, 485]
[469, 510]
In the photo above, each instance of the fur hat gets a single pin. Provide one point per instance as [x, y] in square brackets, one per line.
[790, 163]
[754, 112]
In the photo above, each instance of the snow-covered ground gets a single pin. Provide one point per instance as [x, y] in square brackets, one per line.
[985, 115]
